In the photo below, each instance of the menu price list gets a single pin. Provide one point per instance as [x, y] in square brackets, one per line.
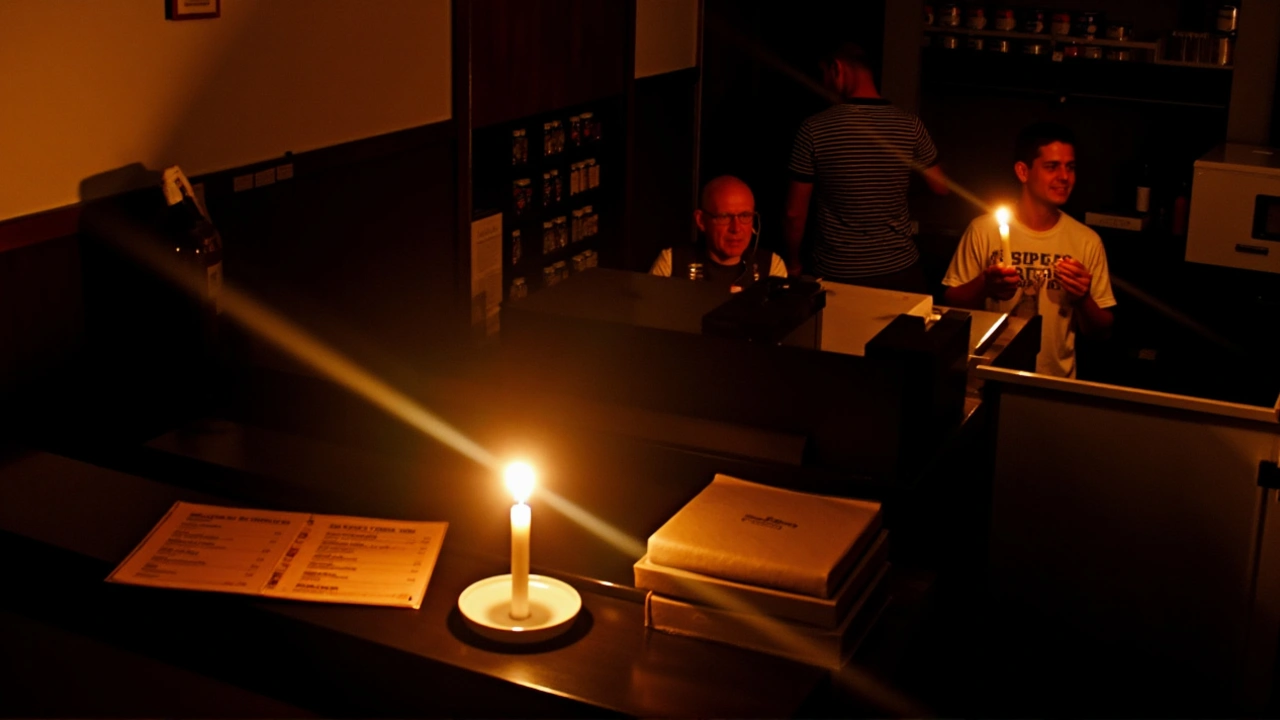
[327, 558]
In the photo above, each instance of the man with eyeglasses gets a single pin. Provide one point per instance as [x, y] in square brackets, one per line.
[729, 254]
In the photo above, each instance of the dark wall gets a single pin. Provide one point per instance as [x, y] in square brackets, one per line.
[660, 214]
[41, 310]
[974, 129]
[752, 103]
[357, 247]
[529, 58]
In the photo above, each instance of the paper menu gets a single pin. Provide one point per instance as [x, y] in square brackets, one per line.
[324, 558]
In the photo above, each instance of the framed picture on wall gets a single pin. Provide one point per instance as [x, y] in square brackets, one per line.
[192, 9]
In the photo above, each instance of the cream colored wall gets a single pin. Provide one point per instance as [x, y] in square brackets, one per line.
[87, 86]
[666, 36]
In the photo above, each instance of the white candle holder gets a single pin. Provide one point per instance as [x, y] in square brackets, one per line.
[553, 607]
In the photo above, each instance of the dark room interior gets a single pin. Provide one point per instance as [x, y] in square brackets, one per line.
[792, 422]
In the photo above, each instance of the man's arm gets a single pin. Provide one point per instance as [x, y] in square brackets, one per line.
[995, 282]
[969, 295]
[937, 180]
[1076, 281]
[797, 214]
[1091, 319]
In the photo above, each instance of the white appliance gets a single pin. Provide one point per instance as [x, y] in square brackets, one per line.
[1235, 209]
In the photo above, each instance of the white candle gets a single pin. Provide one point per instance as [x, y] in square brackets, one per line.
[520, 517]
[519, 479]
[1006, 255]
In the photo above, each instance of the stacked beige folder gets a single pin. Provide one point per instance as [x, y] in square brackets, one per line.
[782, 572]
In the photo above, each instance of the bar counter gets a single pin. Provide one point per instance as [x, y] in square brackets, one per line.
[69, 516]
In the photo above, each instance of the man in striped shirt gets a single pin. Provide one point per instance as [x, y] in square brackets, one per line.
[854, 161]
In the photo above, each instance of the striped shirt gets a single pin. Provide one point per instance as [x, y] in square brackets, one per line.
[857, 155]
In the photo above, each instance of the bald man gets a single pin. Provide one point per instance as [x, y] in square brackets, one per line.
[728, 254]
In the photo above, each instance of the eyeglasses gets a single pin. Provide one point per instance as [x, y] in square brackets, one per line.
[743, 218]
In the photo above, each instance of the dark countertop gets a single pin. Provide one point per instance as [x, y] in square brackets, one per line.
[71, 520]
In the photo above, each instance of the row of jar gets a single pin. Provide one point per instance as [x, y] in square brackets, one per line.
[1039, 48]
[555, 273]
[582, 129]
[558, 233]
[1007, 19]
[583, 176]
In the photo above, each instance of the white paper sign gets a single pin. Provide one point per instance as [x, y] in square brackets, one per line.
[486, 272]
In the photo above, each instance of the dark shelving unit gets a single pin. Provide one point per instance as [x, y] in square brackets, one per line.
[495, 175]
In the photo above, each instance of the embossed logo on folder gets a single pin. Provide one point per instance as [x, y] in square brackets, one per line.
[769, 522]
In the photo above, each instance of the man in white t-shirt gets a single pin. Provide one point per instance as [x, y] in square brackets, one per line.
[1057, 266]
[730, 254]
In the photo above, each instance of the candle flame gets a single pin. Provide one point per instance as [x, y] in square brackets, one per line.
[1002, 215]
[519, 477]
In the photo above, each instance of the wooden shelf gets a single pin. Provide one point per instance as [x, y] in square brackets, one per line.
[1151, 48]
[1047, 37]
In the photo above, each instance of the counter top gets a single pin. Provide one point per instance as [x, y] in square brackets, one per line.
[382, 661]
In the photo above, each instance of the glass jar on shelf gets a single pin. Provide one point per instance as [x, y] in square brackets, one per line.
[575, 130]
[548, 237]
[521, 195]
[976, 18]
[1086, 25]
[519, 289]
[1004, 19]
[1033, 22]
[557, 134]
[1060, 23]
[561, 231]
[517, 247]
[949, 15]
[519, 147]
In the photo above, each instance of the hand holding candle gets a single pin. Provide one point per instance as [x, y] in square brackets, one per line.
[519, 480]
[1006, 255]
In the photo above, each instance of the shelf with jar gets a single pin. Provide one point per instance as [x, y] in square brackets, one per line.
[1063, 36]
[555, 179]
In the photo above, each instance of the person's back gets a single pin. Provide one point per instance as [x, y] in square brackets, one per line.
[854, 161]
[859, 154]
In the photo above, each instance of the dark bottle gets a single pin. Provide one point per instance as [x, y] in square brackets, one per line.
[197, 242]
[197, 248]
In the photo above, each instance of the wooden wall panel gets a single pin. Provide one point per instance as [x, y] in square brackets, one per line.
[663, 182]
[534, 57]
[359, 246]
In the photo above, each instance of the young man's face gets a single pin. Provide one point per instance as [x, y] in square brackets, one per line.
[1051, 177]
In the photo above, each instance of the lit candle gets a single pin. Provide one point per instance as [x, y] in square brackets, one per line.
[1002, 217]
[519, 480]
